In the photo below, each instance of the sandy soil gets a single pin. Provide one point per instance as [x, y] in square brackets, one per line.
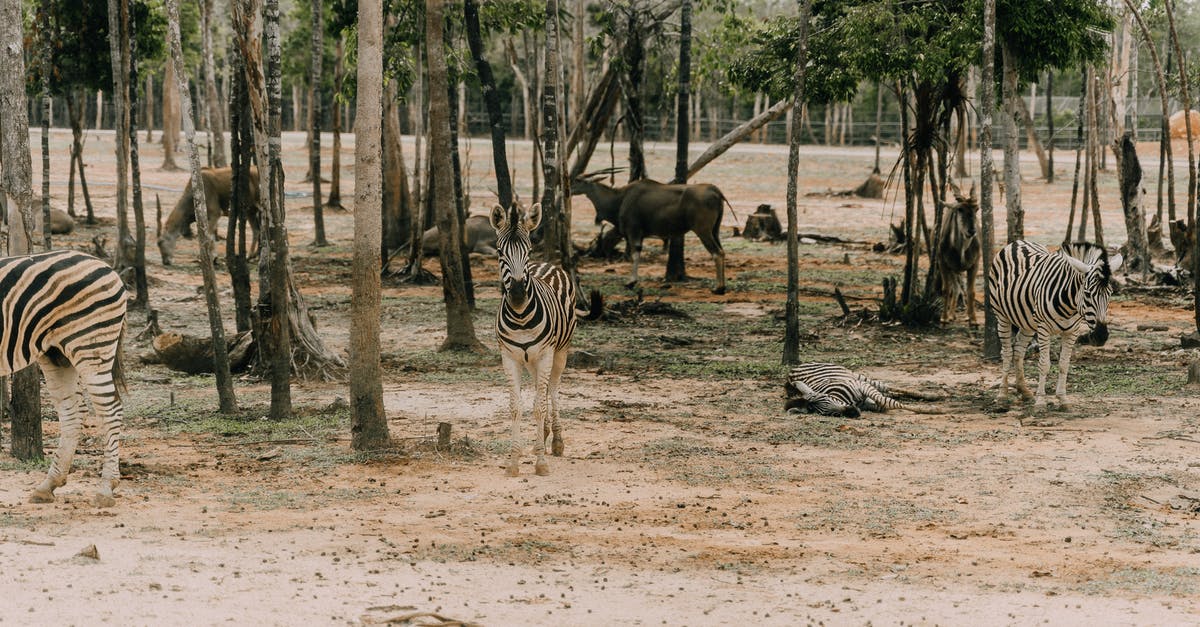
[682, 498]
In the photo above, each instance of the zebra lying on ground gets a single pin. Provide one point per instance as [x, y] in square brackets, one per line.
[831, 390]
[1063, 294]
[66, 310]
[533, 327]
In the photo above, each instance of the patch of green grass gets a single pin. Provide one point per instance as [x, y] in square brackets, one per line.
[1118, 377]
[10, 464]
[251, 423]
[1176, 582]
[877, 431]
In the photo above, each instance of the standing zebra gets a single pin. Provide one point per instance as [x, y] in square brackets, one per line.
[66, 310]
[533, 327]
[1063, 293]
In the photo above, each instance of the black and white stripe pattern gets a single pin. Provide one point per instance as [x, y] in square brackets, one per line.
[533, 327]
[66, 311]
[1064, 294]
[832, 390]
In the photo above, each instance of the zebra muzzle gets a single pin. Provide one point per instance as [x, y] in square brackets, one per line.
[1098, 336]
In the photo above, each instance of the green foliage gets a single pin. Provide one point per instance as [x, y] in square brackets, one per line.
[1061, 34]
[768, 64]
[80, 56]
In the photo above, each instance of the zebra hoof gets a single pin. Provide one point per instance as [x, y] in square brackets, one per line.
[104, 500]
[541, 469]
[556, 447]
[41, 496]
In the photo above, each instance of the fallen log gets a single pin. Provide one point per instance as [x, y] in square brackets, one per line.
[194, 355]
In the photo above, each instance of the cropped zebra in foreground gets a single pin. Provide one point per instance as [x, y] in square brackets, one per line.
[1064, 294]
[831, 390]
[66, 310]
[533, 327]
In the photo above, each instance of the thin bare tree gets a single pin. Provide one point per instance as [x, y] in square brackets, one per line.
[216, 116]
[368, 426]
[227, 401]
[791, 335]
[987, 106]
[314, 121]
[17, 190]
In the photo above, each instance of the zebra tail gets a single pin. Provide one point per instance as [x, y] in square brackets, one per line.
[118, 369]
[595, 307]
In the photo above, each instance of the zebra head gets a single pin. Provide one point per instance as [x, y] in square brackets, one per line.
[1097, 268]
[803, 399]
[513, 227]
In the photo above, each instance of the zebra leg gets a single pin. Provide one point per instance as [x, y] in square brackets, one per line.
[969, 295]
[1004, 330]
[541, 410]
[560, 364]
[107, 405]
[1043, 367]
[1019, 348]
[514, 413]
[62, 383]
[635, 252]
[1064, 366]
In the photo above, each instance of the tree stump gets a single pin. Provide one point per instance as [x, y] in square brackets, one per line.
[194, 355]
[870, 188]
[1193, 380]
[443, 435]
[763, 225]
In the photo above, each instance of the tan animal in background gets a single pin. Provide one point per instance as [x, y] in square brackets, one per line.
[218, 186]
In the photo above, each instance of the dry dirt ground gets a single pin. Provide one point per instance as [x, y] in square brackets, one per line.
[686, 495]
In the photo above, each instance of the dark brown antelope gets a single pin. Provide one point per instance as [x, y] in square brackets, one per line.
[648, 208]
[958, 253]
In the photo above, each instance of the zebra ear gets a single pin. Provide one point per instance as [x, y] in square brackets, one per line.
[1114, 262]
[533, 217]
[499, 218]
[797, 389]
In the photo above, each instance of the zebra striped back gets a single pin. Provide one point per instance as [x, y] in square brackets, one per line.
[832, 390]
[538, 310]
[61, 301]
[1031, 286]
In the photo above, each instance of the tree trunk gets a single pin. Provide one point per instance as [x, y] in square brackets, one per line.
[1187, 119]
[1097, 150]
[526, 98]
[368, 422]
[676, 267]
[987, 106]
[73, 120]
[878, 125]
[1166, 160]
[556, 215]
[1131, 197]
[22, 219]
[1080, 117]
[460, 328]
[577, 76]
[397, 203]
[738, 134]
[140, 281]
[170, 117]
[216, 118]
[241, 139]
[491, 100]
[601, 104]
[1049, 126]
[100, 102]
[1032, 138]
[461, 201]
[119, 46]
[149, 97]
[791, 334]
[228, 403]
[335, 174]
[314, 121]
[634, 53]
[47, 113]
[1012, 150]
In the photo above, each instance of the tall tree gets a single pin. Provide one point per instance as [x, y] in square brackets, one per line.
[170, 118]
[1166, 162]
[227, 401]
[791, 336]
[1012, 152]
[314, 120]
[685, 87]
[987, 105]
[44, 85]
[368, 422]
[557, 216]
[216, 117]
[141, 283]
[22, 219]
[460, 328]
[118, 38]
[335, 166]
[491, 100]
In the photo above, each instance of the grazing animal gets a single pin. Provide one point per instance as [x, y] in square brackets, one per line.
[478, 233]
[533, 327]
[1063, 294]
[958, 253]
[66, 311]
[218, 190]
[831, 390]
[649, 208]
